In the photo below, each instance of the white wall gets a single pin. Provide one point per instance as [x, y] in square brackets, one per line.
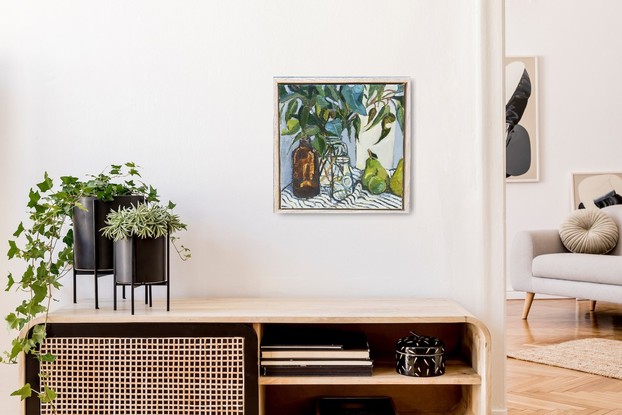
[578, 48]
[185, 90]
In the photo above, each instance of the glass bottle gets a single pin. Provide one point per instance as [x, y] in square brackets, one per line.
[305, 171]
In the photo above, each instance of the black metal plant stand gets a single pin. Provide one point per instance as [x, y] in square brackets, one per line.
[95, 271]
[148, 285]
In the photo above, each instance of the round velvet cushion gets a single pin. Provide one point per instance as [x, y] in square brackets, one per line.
[589, 231]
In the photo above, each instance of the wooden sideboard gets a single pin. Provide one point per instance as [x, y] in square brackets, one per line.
[463, 389]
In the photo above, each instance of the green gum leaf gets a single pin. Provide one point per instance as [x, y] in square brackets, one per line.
[383, 112]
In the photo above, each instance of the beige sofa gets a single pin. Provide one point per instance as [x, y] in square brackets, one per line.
[539, 263]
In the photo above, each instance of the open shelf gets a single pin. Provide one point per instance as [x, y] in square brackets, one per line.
[463, 389]
[456, 373]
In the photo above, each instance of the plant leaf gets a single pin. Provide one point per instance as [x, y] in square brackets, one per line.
[353, 95]
[48, 395]
[293, 126]
[357, 126]
[13, 250]
[335, 127]
[23, 392]
[46, 184]
[20, 229]
[48, 357]
[372, 114]
[383, 112]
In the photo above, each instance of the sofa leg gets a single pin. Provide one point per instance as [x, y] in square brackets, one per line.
[527, 306]
[592, 305]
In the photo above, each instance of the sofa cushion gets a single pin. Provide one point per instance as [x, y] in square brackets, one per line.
[589, 231]
[603, 269]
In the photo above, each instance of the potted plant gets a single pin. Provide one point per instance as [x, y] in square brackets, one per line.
[141, 235]
[100, 194]
[45, 244]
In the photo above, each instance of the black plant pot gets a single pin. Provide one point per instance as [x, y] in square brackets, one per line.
[87, 223]
[140, 261]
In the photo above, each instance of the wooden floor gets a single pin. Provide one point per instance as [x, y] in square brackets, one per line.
[540, 389]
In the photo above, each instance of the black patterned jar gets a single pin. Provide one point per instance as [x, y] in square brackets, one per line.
[420, 356]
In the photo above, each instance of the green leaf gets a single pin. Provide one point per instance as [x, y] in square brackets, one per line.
[400, 116]
[68, 180]
[335, 127]
[11, 282]
[319, 144]
[357, 126]
[375, 93]
[15, 323]
[33, 198]
[353, 95]
[293, 126]
[311, 130]
[20, 229]
[385, 132]
[331, 92]
[13, 250]
[48, 395]
[48, 357]
[386, 129]
[46, 184]
[291, 107]
[23, 392]
[372, 114]
[322, 103]
[383, 112]
[16, 348]
[38, 333]
[304, 116]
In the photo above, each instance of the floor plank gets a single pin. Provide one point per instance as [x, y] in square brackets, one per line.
[539, 389]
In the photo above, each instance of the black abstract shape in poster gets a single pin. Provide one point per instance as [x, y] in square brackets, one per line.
[517, 144]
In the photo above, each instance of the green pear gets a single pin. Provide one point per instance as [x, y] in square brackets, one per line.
[397, 180]
[375, 177]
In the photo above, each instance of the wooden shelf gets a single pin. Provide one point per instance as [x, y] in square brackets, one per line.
[463, 389]
[455, 374]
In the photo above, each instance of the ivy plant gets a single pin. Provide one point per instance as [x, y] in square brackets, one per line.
[44, 245]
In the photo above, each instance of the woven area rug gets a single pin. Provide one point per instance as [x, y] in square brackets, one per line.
[598, 356]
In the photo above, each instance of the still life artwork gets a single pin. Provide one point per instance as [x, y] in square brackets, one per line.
[341, 145]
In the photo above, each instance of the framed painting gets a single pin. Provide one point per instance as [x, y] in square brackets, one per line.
[596, 190]
[521, 97]
[341, 145]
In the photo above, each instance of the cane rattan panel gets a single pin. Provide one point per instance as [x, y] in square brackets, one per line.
[159, 376]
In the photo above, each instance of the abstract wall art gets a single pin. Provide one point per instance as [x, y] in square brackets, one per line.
[341, 145]
[596, 190]
[521, 97]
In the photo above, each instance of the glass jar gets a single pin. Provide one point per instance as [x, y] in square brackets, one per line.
[342, 184]
[334, 148]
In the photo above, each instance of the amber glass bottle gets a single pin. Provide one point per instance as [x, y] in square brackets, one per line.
[305, 171]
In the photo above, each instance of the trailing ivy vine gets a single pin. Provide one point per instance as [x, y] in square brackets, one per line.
[44, 243]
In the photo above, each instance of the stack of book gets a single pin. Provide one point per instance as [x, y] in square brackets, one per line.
[308, 352]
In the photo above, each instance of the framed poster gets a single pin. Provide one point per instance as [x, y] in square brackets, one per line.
[596, 190]
[341, 145]
[521, 97]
